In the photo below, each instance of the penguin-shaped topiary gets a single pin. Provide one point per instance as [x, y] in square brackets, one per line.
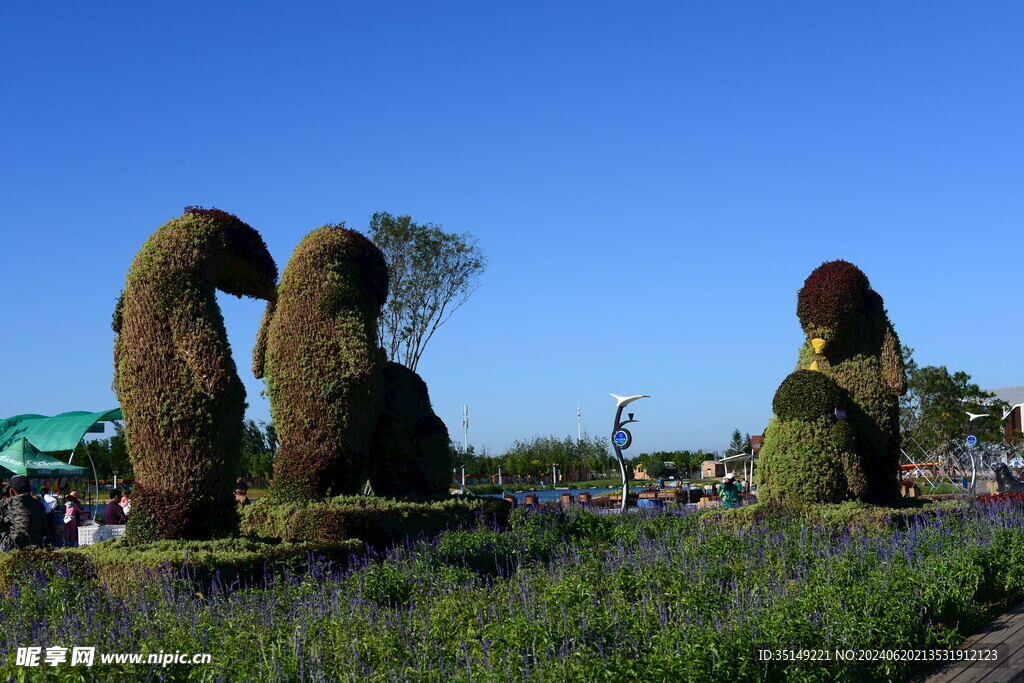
[850, 339]
[182, 400]
[318, 350]
[807, 454]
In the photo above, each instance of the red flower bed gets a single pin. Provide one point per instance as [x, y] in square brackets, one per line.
[1017, 496]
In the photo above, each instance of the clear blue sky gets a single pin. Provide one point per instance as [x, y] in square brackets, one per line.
[651, 182]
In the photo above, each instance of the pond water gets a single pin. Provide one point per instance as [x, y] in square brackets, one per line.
[549, 496]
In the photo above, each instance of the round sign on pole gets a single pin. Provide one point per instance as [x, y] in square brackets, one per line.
[622, 438]
[971, 440]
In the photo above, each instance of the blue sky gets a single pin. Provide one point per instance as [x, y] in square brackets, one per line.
[651, 182]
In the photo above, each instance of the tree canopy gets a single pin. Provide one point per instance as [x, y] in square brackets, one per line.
[934, 411]
[537, 454]
[432, 273]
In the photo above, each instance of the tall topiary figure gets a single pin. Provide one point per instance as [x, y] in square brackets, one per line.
[317, 349]
[178, 388]
[850, 339]
[409, 453]
[807, 455]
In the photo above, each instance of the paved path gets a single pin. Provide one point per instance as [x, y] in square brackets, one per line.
[1008, 633]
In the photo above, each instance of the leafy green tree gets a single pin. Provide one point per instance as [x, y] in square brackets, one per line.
[656, 469]
[257, 450]
[536, 455]
[110, 455]
[934, 410]
[432, 274]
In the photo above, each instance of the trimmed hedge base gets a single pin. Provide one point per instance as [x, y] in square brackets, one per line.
[850, 515]
[120, 566]
[377, 521]
[280, 537]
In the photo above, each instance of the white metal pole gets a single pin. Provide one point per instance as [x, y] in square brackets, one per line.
[579, 425]
[95, 477]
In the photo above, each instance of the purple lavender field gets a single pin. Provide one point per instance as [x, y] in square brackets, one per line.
[571, 595]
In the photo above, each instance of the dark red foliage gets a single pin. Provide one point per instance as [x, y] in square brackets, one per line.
[1014, 496]
[831, 293]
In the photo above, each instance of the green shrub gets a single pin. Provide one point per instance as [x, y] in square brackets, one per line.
[377, 521]
[175, 379]
[807, 395]
[808, 461]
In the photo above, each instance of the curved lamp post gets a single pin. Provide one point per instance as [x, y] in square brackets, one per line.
[621, 439]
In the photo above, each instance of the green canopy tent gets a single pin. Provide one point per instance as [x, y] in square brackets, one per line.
[22, 457]
[57, 434]
[54, 434]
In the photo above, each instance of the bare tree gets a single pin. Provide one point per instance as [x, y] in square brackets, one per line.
[432, 274]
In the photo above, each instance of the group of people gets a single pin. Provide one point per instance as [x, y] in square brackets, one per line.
[29, 519]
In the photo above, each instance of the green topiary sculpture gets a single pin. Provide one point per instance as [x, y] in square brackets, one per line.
[317, 348]
[178, 388]
[807, 455]
[409, 454]
[850, 339]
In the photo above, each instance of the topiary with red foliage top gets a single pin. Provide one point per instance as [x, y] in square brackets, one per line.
[317, 349]
[177, 384]
[859, 349]
[833, 295]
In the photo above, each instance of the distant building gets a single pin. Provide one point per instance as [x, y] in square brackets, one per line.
[1012, 421]
[576, 471]
[640, 471]
[712, 469]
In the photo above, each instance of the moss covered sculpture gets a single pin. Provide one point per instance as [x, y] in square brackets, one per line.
[409, 454]
[850, 339]
[182, 400]
[807, 455]
[317, 349]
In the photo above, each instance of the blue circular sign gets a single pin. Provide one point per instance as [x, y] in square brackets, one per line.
[971, 440]
[621, 438]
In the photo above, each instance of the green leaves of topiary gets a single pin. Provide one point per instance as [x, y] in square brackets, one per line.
[807, 395]
[318, 350]
[174, 376]
[859, 350]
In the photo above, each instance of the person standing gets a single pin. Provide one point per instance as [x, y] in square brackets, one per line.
[114, 513]
[73, 514]
[730, 491]
[50, 507]
[22, 517]
[242, 493]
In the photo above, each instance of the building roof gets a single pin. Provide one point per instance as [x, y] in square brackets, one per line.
[1012, 395]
